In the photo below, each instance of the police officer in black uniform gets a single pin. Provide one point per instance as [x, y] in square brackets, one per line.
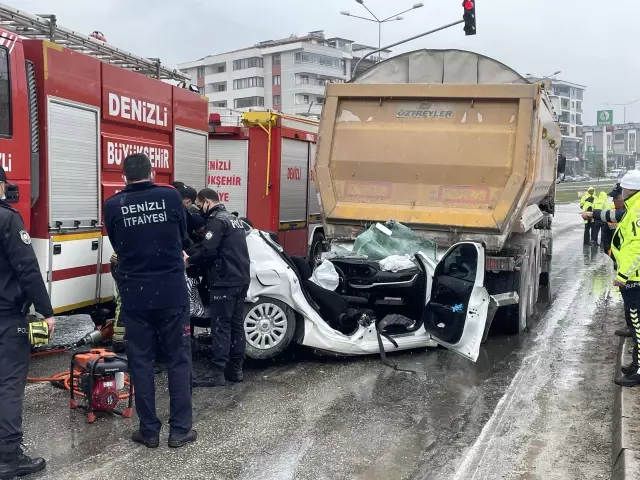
[146, 225]
[195, 221]
[224, 252]
[21, 285]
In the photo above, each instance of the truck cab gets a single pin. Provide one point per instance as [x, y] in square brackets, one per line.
[16, 134]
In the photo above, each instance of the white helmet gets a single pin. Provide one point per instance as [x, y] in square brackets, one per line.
[631, 180]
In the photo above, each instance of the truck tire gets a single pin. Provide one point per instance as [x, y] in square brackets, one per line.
[518, 318]
[316, 249]
[269, 326]
[544, 295]
[535, 285]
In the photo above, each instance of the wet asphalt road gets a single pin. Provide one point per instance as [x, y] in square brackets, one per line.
[534, 406]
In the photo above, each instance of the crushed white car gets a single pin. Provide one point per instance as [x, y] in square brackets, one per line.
[372, 310]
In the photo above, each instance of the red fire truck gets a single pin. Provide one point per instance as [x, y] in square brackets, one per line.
[263, 169]
[71, 109]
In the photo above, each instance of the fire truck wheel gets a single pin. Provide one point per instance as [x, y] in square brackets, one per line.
[269, 327]
[316, 250]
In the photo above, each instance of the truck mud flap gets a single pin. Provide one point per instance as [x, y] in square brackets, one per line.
[497, 301]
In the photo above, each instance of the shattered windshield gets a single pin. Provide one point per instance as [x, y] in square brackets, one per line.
[382, 241]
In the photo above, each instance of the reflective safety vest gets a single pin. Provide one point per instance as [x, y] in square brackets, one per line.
[585, 196]
[599, 202]
[625, 245]
[587, 205]
[609, 205]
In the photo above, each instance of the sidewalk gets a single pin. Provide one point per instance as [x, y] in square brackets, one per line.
[625, 455]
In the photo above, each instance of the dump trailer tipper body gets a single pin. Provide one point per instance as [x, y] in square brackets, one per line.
[455, 145]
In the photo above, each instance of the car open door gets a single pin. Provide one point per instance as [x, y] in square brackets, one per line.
[458, 303]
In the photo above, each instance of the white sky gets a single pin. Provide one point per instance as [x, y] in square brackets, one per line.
[590, 41]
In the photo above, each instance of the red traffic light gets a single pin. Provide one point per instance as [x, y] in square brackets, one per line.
[468, 5]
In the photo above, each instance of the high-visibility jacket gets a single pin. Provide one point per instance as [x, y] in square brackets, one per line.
[590, 193]
[608, 206]
[625, 245]
[587, 206]
[598, 203]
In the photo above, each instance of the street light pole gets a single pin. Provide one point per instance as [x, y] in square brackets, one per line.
[624, 108]
[375, 19]
[415, 37]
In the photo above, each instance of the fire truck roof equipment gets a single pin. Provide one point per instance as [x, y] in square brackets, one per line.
[45, 27]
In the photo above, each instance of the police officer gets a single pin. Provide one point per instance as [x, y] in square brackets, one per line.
[195, 221]
[598, 225]
[146, 225]
[625, 248]
[21, 285]
[586, 204]
[611, 215]
[224, 252]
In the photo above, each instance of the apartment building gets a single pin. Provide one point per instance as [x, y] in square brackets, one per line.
[567, 98]
[287, 75]
[359, 51]
[621, 144]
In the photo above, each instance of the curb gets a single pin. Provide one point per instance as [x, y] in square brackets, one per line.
[625, 451]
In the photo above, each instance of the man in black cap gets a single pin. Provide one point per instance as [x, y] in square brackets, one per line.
[146, 225]
[611, 216]
[21, 285]
[195, 221]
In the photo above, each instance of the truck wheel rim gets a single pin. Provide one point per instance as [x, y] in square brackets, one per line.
[265, 326]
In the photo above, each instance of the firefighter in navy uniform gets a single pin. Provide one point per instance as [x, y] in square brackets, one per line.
[625, 248]
[21, 285]
[224, 253]
[146, 226]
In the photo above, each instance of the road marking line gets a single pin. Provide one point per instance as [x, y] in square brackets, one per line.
[474, 458]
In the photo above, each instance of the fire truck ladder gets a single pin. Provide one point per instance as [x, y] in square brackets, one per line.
[45, 27]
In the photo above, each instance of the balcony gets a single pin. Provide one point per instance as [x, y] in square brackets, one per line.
[310, 81]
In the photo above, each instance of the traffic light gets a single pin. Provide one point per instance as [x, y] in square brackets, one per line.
[469, 16]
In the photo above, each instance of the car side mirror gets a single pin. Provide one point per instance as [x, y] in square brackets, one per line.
[562, 163]
[12, 192]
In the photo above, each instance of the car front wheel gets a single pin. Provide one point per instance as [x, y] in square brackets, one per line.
[269, 326]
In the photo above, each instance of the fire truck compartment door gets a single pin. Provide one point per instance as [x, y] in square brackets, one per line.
[294, 183]
[190, 157]
[74, 276]
[228, 172]
[74, 195]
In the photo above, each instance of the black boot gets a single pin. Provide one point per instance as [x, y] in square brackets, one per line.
[177, 441]
[632, 367]
[630, 379]
[234, 374]
[17, 464]
[623, 332]
[149, 442]
[213, 380]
